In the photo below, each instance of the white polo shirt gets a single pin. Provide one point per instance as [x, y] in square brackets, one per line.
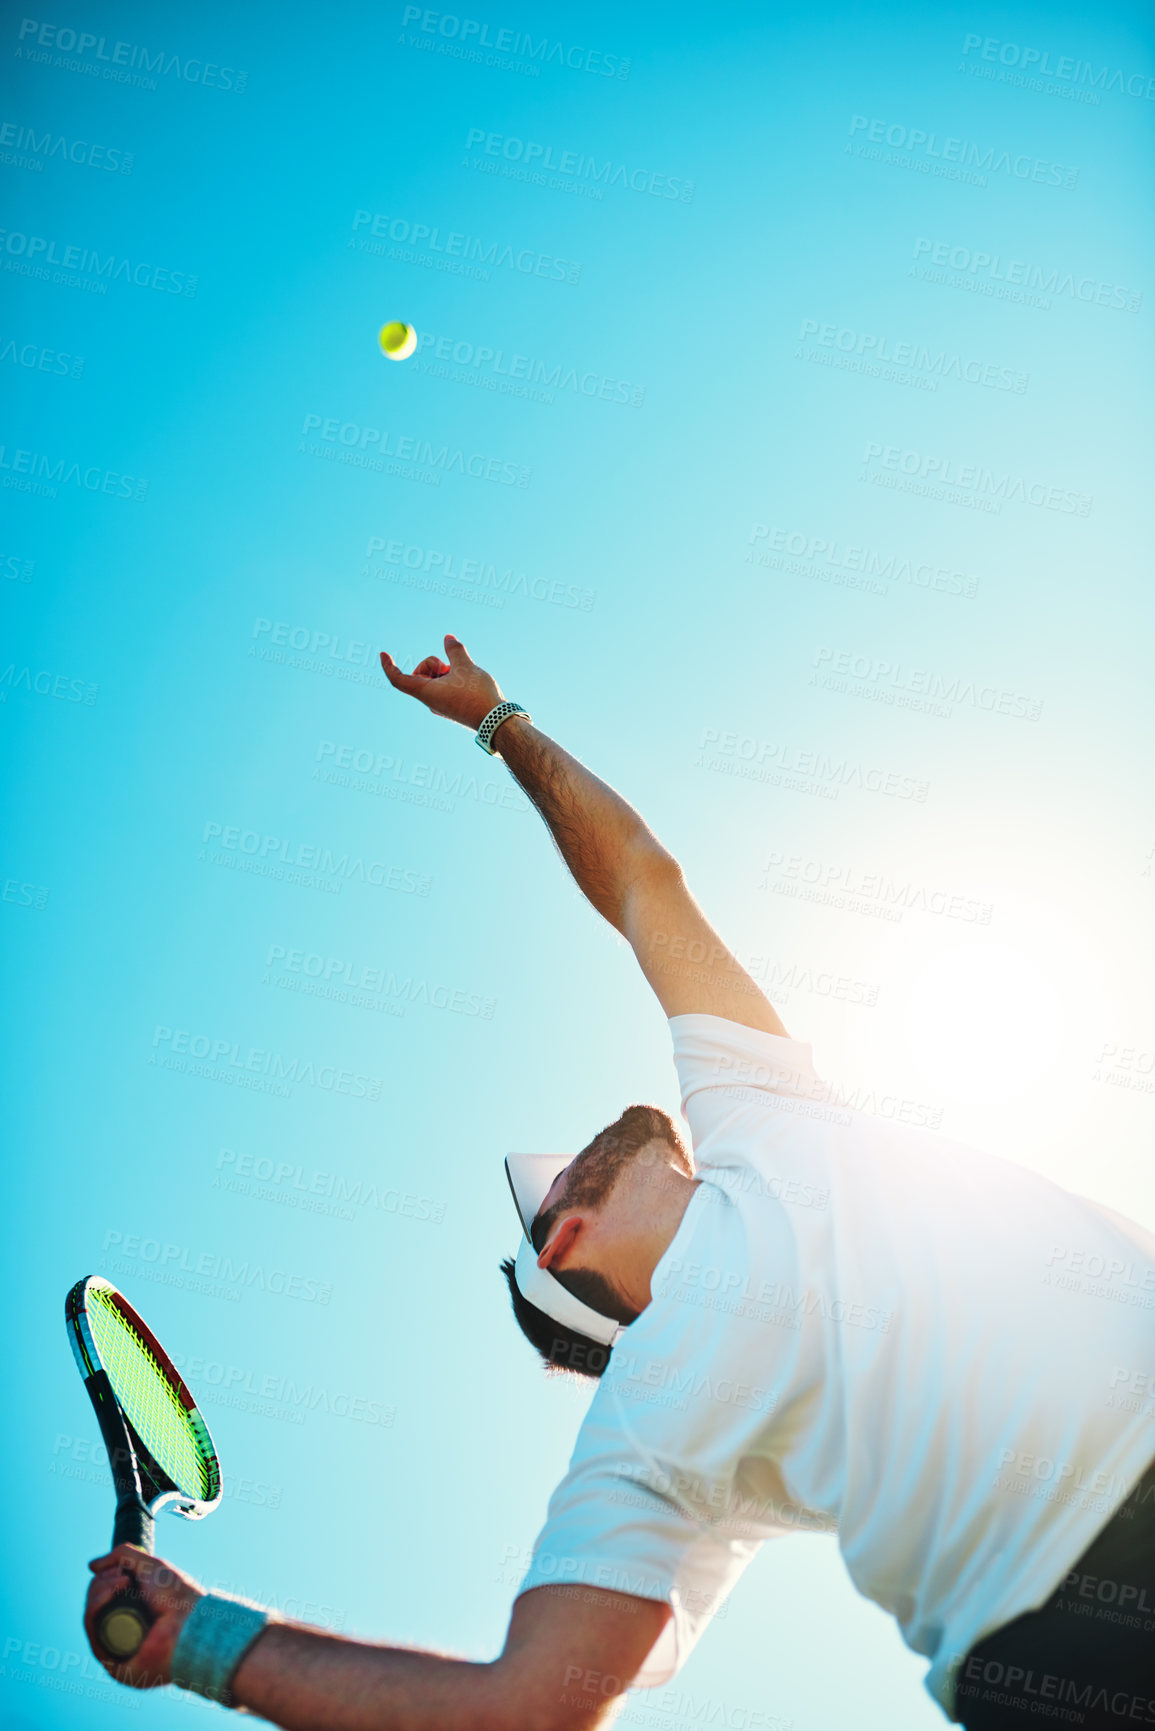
[859, 1327]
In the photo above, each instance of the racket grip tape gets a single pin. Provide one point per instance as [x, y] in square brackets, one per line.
[133, 1525]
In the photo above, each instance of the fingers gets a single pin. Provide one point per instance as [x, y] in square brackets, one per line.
[132, 1555]
[410, 683]
[105, 1587]
[413, 683]
[128, 1563]
[433, 667]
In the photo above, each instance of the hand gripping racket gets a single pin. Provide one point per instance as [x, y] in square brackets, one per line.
[159, 1448]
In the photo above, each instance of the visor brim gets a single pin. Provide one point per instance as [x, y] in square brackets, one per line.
[531, 1177]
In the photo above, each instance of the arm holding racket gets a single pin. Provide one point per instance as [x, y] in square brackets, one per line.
[568, 1658]
[616, 859]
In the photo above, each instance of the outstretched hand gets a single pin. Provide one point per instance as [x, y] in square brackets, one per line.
[457, 688]
[169, 1595]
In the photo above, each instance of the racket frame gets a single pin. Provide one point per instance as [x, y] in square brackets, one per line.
[142, 1485]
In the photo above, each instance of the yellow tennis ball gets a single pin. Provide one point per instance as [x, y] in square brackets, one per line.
[397, 340]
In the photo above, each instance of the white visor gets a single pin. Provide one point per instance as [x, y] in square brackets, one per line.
[530, 1177]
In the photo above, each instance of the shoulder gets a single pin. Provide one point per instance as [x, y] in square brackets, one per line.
[713, 1052]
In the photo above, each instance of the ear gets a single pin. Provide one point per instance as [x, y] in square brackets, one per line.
[560, 1242]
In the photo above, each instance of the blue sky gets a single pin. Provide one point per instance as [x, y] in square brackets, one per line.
[778, 437]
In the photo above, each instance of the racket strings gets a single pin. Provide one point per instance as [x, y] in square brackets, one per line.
[148, 1397]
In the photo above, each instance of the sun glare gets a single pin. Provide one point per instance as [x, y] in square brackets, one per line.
[984, 1023]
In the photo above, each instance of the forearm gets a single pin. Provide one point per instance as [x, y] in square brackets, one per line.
[600, 836]
[308, 1680]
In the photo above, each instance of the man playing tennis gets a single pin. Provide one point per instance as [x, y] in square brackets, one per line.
[822, 1321]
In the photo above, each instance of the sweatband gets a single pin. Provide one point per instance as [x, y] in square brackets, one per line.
[217, 1634]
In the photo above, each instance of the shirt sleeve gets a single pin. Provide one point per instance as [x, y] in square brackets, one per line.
[722, 1063]
[608, 1527]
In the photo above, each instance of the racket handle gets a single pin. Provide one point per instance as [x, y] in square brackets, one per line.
[123, 1624]
[133, 1525]
[126, 1619]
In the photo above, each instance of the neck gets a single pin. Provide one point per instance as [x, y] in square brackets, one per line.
[643, 1213]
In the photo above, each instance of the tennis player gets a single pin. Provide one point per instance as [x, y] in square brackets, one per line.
[820, 1320]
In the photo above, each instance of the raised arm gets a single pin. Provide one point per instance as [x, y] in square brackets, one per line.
[616, 859]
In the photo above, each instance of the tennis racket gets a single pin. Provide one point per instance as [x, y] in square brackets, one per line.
[159, 1448]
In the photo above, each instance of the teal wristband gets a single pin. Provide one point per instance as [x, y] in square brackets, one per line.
[217, 1634]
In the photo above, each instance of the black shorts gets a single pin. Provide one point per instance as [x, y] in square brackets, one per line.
[1087, 1657]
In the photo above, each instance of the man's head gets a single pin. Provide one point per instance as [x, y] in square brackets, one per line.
[602, 1228]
